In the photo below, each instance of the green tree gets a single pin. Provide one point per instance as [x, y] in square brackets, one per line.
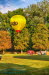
[44, 6]
[21, 40]
[47, 18]
[40, 37]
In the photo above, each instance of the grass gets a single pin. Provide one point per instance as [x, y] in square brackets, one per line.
[34, 64]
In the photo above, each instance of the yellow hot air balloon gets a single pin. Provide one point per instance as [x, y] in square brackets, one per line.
[18, 22]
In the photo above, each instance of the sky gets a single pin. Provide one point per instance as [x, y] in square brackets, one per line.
[10, 5]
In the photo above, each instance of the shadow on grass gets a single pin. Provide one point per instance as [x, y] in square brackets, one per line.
[34, 57]
[15, 69]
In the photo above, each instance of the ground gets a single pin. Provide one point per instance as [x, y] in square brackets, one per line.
[34, 64]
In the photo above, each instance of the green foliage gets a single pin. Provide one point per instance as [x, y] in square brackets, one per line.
[21, 40]
[35, 14]
[40, 37]
[47, 18]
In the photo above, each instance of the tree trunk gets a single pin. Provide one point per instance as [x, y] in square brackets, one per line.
[12, 40]
[3, 52]
[21, 51]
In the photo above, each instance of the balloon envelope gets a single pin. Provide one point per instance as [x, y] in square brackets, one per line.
[18, 22]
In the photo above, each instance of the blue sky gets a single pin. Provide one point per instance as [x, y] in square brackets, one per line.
[10, 5]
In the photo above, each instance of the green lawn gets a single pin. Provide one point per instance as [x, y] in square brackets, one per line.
[34, 65]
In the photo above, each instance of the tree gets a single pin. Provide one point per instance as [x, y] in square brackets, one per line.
[5, 40]
[40, 37]
[21, 40]
[47, 18]
[44, 6]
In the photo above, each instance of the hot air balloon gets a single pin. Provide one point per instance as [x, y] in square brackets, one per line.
[18, 22]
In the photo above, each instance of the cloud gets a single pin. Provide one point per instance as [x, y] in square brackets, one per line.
[1, 6]
[7, 8]
[10, 5]
[23, 0]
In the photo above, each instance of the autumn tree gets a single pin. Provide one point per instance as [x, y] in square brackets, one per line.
[40, 38]
[5, 40]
